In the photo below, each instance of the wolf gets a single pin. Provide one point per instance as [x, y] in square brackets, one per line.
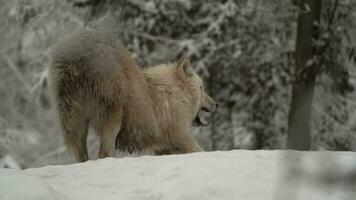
[96, 83]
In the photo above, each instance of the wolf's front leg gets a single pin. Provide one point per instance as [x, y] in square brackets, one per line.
[186, 143]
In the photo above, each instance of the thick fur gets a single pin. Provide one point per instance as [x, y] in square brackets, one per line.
[96, 82]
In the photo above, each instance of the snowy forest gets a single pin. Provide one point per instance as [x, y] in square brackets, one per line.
[282, 71]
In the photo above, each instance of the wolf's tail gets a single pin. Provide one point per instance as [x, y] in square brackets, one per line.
[70, 110]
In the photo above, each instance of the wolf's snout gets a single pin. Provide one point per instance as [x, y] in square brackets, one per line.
[210, 109]
[206, 109]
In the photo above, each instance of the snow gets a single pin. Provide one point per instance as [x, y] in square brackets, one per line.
[8, 162]
[16, 185]
[239, 174]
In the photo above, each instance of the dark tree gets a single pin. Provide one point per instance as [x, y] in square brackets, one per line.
[307, 67]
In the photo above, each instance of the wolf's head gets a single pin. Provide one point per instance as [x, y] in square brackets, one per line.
[193, 86]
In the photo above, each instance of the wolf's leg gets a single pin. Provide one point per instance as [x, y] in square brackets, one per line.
[191, 146]
[109, 130]
[167, 151]
[186, 143]
[79, 147]
[75, 127]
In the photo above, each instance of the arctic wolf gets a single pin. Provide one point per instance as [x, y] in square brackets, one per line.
[96, 83]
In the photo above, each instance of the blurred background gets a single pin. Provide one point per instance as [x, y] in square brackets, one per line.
[250, 53]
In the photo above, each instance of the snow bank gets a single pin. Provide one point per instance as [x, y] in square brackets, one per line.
[239, 174]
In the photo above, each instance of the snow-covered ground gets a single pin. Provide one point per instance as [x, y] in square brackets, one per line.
[239, 174]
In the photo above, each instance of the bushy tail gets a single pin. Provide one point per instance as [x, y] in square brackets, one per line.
[70, 111]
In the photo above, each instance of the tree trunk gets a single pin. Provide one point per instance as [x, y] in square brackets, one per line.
[307, 67]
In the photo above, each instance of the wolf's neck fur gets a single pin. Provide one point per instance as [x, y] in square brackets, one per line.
[160, 77]
[160, 80]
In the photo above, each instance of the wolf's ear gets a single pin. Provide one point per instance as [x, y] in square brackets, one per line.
[185, 67]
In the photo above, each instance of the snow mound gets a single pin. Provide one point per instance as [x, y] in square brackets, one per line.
[16, 185]
[238, 174]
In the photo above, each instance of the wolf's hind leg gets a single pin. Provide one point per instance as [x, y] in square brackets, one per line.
[79, 146]
[108, 132]
[75, 128]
